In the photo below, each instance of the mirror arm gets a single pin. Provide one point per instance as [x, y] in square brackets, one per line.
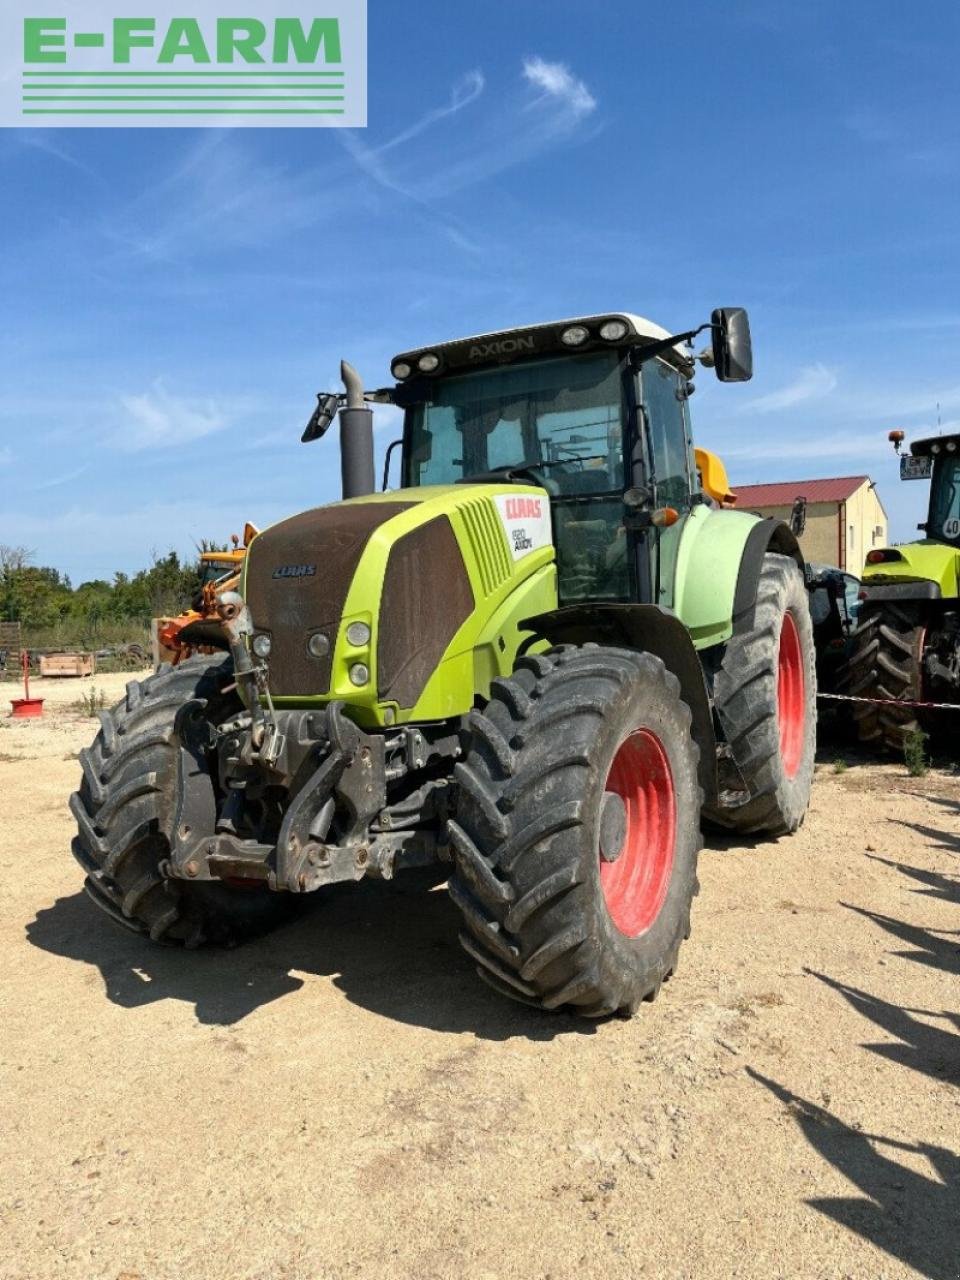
[386, 462]
[382, 395]
[640, 355]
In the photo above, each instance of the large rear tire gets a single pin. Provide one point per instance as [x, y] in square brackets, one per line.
[765, 695]
[123, 811]
[577, 831]
[886, 664]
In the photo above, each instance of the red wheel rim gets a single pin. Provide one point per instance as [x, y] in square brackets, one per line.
[791, 696]
[635, 885]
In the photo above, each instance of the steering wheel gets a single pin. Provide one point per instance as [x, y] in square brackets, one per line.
[536, 475]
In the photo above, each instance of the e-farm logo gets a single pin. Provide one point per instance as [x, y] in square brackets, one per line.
[110, 62]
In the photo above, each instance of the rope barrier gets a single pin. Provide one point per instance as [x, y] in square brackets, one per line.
[892, 702]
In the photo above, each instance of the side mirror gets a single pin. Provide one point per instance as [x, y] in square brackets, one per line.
[732, 349]
[323, 415]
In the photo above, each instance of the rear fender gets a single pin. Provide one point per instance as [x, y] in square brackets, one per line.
[718, 569]
[767, 535]
[649, 629]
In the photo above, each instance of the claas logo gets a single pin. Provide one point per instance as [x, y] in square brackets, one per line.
[524, 508]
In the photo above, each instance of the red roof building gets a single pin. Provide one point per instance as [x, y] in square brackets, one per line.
[832, 489]
[844, 516]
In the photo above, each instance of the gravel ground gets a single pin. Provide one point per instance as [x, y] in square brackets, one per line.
[345, 1098]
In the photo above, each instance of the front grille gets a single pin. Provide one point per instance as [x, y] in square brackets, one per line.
[298, 576]
[426, 599]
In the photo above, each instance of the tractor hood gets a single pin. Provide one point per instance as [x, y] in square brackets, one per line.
[923, 562]
[384, 601]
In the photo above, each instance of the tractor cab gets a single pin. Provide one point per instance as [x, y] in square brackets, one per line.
[940, 459]
[593, 411]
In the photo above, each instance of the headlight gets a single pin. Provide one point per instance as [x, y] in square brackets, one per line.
[358, 634]
[613, 331]
[318, 646]
[261, 646]
[401, 370]
[575, 336]
[429, 362]
[359, 673]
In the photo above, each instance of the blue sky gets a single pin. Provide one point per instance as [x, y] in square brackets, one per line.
[172, 299]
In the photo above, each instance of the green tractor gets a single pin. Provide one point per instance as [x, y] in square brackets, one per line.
[907, 645]
[532, 668]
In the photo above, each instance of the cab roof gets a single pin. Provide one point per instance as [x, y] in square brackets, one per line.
[924, 448]
[502, 346]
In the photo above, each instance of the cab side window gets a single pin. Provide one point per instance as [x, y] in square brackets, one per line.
[667, 419]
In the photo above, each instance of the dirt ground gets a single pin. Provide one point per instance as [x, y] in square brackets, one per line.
[345, 1098]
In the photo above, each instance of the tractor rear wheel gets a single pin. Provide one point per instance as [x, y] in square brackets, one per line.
[765, 695]
[577, 831]
[123, 813]
[886, 663]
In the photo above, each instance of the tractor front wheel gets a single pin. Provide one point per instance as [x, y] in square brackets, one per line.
[765, 695]
[577, 831]
[123, 811]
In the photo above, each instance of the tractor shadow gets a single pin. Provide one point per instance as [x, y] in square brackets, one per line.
[946, 840]
[908, 1214]
[923, 1040]
[390, 949]
[926, 1040]
[907, 1207]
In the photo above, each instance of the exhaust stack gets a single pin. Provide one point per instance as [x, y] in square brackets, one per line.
[356, 438]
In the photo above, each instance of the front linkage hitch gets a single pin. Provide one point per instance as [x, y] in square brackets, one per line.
[336, 776]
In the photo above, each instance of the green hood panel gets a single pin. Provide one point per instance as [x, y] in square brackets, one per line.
[438, 576]
[925, 561]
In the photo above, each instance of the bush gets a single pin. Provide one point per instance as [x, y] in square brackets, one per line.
[95, 615]
[92, 702]
[915, 754]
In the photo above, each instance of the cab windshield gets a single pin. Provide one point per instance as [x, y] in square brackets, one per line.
[213, 571]
[562, 417]
[944, 522]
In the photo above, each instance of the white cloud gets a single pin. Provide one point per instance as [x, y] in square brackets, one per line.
[518, 129]
[157, 419]
[41, 142]
[514, 129]
[56, 481]
[812, 383]
[558, 81]
[466, 90]
[90, 543]
[907, 402]
[873, 126]
[837, 444]
[220, 196]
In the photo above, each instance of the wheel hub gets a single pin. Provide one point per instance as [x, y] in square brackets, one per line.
[791, 696]
[613, 826]
[636, 878]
